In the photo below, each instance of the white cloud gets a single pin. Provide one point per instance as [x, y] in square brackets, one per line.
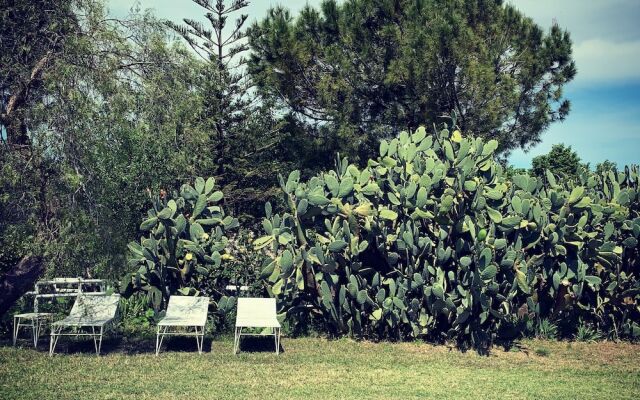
[601, 60]
[606, 35]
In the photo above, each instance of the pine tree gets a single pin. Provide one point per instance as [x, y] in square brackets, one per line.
[371, 68]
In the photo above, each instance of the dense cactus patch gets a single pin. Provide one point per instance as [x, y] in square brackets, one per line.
[431, 239]
[182, 244]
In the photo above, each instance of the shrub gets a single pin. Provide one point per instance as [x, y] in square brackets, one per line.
[182, 245]
[542, 352]
[242, 266]
[586, 333]
[546, 330]
[431, 239]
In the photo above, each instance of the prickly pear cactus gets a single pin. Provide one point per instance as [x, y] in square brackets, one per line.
[182, 243]
[431, 239]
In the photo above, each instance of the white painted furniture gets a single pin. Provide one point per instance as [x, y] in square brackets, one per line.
[34, 320]
[50, 289]
[94, 312]
[66, 287]
[184, 312]
[256, 313]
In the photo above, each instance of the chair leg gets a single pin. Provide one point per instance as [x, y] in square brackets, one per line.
[236, 343]
[93, 336]
[53, 341]
[164, 331]
[33, 331]
[157, 340]
[16, 326]
[277, 337]
[201, 339]
[235, 339]
[197, 340]
[36, 335]
[100, 340]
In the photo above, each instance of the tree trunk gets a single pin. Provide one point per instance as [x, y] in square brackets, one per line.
[19, 280]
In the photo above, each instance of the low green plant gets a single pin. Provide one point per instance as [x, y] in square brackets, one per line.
[135, 314]
[587, 333]
[546, 329]
[542, 352]
[242, 266]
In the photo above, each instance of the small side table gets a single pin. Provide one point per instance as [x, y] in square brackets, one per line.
[34, 320]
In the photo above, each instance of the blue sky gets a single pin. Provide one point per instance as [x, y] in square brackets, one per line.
[605, 119]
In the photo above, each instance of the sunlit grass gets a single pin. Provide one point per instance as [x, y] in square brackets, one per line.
[312, 368]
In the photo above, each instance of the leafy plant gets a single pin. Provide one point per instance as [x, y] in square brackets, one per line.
[432, 239]
[542, 352]
[136, 313]
[587, 333]
[243, 265]
[182, 245]
[546, 330]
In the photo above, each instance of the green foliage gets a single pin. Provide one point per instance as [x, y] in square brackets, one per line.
[546, 329]
[109, 130]
[242, 265]
[135, 314]
[430, 239]
[542, 352]
[561, 160]
[606, 166]
[181, 246]
[587, 333]
[34, 34]
[244, 141]
[370, 68]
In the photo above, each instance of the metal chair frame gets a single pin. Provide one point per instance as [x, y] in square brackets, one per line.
[106, 321]
[184, 312]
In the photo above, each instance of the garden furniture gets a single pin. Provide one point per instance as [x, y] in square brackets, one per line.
[184, 312]
[49, 289]
[94, 312]
[256, 313]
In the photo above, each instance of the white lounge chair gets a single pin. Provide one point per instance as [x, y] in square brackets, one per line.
[184, 312]
[87, 312]
[256, 313]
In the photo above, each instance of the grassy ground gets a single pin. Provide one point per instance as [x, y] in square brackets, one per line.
[321, 369]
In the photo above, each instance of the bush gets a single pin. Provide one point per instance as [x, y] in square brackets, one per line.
[586, 333]
[431, 239]
[546, 330]
[182, 249]
[542, 352]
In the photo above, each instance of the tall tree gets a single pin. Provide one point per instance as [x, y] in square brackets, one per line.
[107, 118]
[561, 160]
[246, 141]
[370, 68]
[33, 35]
[226, 102]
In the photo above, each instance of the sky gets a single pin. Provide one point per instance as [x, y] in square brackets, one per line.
[604, 122]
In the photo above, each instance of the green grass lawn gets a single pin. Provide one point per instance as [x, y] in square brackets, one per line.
[311, 368]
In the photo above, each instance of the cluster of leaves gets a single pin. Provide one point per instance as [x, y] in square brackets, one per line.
[95, 111]
[371, 68]
[431, 239]
[184, 238]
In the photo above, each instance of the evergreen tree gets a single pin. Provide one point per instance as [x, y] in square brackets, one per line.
[371, 68]
[244, 132]
[561, 160]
